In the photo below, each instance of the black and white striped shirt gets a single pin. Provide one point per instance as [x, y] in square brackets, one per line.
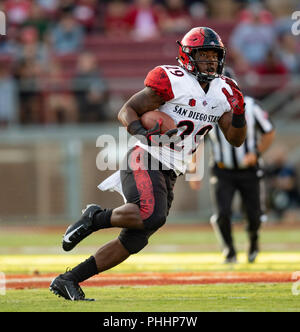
[227, 156]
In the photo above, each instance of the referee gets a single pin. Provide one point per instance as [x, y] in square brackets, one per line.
[239, 169]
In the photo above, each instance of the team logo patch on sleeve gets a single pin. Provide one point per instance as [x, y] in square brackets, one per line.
[192, 102]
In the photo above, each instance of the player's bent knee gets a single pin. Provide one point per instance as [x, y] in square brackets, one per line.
[138, 246]
[133, 241]
[155, 222]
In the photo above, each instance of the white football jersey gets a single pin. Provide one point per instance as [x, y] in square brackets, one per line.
[194, 111]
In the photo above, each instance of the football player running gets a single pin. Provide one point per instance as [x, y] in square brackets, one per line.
[197, 97]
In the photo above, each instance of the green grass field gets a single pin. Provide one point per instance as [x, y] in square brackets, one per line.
[183, 298]
[172, 250]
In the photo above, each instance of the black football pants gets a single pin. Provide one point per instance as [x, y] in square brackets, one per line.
[151, 188]
[224, 185]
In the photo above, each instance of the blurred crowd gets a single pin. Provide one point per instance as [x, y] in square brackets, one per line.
[282, 184]
[39, 31]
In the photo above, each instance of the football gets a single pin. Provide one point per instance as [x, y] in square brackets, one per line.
[149, 120]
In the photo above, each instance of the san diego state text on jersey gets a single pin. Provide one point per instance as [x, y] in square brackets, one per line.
[195, 115]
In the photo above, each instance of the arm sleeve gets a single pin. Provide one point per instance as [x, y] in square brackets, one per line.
[158, 80]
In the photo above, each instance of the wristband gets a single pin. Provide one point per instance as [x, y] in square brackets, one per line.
[136, 128]
[238, 120]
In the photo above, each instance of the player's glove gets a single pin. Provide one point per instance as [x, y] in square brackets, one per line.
[153, 135]
[236, 101]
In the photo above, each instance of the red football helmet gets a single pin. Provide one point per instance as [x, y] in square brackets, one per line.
[205, 39]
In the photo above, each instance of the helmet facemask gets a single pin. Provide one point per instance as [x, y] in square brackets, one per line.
[213, 71]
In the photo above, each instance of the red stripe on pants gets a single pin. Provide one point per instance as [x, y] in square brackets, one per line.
[143, 182]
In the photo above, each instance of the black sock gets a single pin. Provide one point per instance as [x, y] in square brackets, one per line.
[102, 219]
[83, 271]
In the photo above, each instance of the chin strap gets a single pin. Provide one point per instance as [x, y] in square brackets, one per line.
[203, 77]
